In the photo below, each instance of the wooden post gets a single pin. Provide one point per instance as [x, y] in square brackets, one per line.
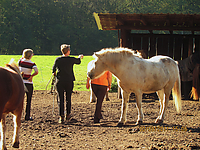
[123, 43]
[190, 46]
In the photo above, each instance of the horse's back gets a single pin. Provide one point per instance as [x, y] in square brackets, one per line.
[11, 90]
[161, 58]
[156, 73]
[164, 61]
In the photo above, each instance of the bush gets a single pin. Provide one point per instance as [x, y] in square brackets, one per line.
[114, 86]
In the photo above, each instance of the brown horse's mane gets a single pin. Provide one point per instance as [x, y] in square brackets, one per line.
[124, 52]
[12, 65]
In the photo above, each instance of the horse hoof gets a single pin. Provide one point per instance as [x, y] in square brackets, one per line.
[92, 101]
[159, 121]
[16, 145]
[120, 124]
[139, 122]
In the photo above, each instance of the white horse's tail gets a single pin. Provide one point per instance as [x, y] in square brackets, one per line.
[176, 92]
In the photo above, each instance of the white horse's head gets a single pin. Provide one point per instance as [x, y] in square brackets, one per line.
[108, 59]
[96, 67]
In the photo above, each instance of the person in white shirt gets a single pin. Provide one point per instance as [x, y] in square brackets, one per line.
[26, 66]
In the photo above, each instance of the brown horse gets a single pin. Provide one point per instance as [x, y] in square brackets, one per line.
[12, 92]
[195, 92]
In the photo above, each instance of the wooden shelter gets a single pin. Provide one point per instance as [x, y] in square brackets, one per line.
[175, 35]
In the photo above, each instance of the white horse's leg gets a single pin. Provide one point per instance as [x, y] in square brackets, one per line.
[92, 96]
[139, 107]
[161, 98]
[164, 104]
[3, 131]
[17, 123]
[124, 106]
[107, 98]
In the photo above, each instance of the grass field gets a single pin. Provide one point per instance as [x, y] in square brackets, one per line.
[45, 63]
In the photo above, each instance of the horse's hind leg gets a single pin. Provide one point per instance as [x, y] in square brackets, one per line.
[3, 130]
[17, 123]
[139, 108]
[161, 99]
[164, 99]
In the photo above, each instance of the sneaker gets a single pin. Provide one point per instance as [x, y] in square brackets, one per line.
[29, 119]
[96, 120]
[61, 120]
[68, 117]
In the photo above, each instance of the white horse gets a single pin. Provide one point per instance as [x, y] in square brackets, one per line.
[159, 74]
[140, 53]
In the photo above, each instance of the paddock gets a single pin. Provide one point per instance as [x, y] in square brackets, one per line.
[178, 131]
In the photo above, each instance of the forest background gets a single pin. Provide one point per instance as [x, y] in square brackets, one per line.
[43, 25]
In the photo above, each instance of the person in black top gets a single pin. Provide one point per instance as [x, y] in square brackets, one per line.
[65, 79]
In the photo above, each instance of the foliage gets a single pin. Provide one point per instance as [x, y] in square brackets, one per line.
[45, 63]
[44, 25]
[114, 85]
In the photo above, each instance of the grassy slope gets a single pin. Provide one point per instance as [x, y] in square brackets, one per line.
[45, 63]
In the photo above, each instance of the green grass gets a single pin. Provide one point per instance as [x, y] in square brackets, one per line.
[45, 63]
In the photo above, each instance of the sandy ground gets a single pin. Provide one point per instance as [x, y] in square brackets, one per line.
[179, 131]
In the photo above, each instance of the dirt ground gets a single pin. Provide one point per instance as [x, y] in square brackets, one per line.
[179, 131]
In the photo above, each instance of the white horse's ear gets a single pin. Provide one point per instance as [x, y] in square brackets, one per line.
[96, 55]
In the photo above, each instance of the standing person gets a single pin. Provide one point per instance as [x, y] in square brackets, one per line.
[65, 79]
[26, 66]
[99, 86]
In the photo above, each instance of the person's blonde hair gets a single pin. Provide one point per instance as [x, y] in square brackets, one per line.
[27, 53]
[64, 48]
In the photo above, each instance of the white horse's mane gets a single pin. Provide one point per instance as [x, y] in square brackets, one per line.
[124, 52]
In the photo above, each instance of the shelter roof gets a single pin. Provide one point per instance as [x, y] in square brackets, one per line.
[170, 22]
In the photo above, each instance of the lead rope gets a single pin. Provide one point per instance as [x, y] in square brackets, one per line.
[53, 90]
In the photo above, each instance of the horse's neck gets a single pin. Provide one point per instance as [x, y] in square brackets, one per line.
[115, 67]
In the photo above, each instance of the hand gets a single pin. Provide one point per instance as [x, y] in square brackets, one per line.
[108, 88]
[88, 83]
[30, 79]
[80, 56]
[87, 86]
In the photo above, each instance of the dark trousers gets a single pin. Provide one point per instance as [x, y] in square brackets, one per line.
[99, 92]
[28, 101]
[64, 87]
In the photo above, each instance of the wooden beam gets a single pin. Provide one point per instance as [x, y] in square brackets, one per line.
[96, 16]
[170, 28]
[164, 35]
[142, 19]
[120, 21]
